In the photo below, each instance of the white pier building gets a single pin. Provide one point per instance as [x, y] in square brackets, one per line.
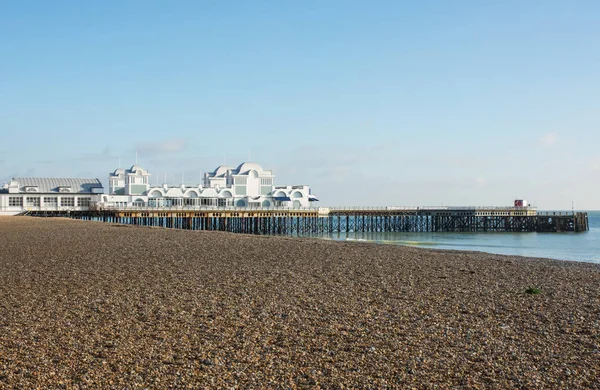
[48, 194]
[248, 186]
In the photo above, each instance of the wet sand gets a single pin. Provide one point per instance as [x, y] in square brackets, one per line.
[92, 305]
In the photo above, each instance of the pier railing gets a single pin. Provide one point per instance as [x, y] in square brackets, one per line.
[204, 208]
[418, 208]
[320, 209]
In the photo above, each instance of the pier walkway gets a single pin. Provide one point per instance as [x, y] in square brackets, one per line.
[317, 221]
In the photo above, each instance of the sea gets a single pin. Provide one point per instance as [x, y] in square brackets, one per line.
[562, 246]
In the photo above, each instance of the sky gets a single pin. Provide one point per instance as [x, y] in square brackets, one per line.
[371, 103]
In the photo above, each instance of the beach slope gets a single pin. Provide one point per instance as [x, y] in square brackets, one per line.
[93, 305]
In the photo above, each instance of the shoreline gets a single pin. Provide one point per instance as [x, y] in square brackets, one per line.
[449, 246]
[97, 304]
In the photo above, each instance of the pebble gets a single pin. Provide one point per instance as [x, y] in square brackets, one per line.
[93, 305]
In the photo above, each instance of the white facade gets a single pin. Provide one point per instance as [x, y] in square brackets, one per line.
[127, 187]
[133, 181]
[49, 194]
[248, 185]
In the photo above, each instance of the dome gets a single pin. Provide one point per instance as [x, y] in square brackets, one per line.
[209, 193]
[135, 168]
[226, 193]
[248, 166]
[118, 171]
[174, 192]
[221, 170]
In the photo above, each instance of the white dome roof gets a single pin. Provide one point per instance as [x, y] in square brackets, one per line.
[209, 193]
[135, 168]
[248, 166]
[221, 170]
[119, 171]
[225, 193]
[174, 191]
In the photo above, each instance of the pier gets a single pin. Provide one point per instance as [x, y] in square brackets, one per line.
[322, 221]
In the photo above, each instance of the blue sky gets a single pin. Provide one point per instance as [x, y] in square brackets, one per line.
[371, 103]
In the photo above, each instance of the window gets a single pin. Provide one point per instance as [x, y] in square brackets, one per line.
[15, 201]
[51, 201]
[138, 180]
[266, 182]
[33, 201]
[240, 190]
[241, 180]
[206, 202]
[64, 189]
[83, 202]
[67, 202]
[31, 189]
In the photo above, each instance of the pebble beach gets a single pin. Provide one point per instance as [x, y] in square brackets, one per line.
[88, 305]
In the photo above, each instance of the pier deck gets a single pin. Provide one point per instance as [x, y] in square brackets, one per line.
[316, 221]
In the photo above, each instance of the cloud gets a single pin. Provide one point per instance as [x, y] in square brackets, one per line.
[28, 173]
[548, 139]
[104, 155]
[7, 178]
[48, 162]
[167, 146]
[338, 173]
[178, 161]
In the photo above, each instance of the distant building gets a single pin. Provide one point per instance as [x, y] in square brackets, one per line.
[22, 194]
[248, 185]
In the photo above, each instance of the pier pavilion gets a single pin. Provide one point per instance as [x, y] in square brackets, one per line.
[247, 186]
[49, 194]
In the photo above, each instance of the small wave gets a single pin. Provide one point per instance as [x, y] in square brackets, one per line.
[486, 246]
[417, 243]
[462, 245]
[434, 243]
[397, 242]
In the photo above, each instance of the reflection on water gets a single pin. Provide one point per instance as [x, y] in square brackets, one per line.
[563, 246]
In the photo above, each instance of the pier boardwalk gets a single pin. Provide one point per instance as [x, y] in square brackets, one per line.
[316, 221]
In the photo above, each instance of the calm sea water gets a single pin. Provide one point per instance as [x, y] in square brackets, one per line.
[562, 246]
